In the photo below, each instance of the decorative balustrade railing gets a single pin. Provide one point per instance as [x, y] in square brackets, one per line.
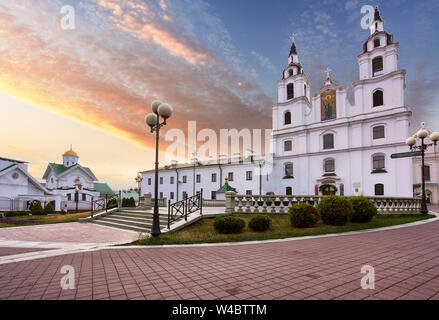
[214, 203]
[280, 204]
[185, 207]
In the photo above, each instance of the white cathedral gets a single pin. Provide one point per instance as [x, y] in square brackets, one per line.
[322, 144]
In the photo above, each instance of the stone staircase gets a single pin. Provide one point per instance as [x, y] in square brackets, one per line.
[139, 220]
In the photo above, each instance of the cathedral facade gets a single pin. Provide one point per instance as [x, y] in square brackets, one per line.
[322, 144]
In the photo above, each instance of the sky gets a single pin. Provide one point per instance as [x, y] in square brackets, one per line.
[215, 61]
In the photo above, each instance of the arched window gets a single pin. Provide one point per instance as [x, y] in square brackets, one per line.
[329, 165]
[290, 72]
[290, 91]
[378, 132]
[379, 162]
[328, 141]
[378, 98]
[379, 189]
[377, 66]
[289, 191]
[377, 43]
[289, 170]
[287, 118]
[288, 146]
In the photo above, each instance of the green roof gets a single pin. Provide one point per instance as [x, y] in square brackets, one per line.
[103, 188]
[60, 168]
[225, 188]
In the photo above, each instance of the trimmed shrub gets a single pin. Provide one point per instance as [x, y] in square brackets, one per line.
[132, 203]
[37, 209]
[228, 225]
[124, 202]
[112, 204]
[335, 210]
[303, 215]
[49, 209]
[260, 223]
[364, 209]
[15, 214]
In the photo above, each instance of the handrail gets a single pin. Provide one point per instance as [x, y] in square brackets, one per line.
[185, 207]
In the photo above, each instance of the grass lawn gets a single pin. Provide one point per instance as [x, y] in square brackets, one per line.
[38, 220]
[204, 232]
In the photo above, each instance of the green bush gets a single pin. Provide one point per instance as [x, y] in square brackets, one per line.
[228, 225]
[112, 204]
[303, 215]
[37, 209]
[132, 203]
[15, 214]
[364, 209]
[335, 210]
[49, 209]
[124, 202]
[260, 223]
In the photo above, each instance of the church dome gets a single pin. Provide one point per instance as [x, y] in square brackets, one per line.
[70, 153]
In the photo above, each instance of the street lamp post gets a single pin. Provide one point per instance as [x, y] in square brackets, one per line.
[78, 187]
[139, 180]
[77, 196]
[164, 111]
[422, 134]
[195, 160]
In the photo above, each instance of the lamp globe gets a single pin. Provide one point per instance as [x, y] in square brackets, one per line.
[165, 111]
[151, 119]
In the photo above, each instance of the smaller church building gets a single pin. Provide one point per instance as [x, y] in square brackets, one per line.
[68, 186]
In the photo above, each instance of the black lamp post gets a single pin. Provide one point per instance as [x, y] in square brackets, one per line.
[139, 180]
[195, 160]
[411, 142]
[78, 187]
[164, 111]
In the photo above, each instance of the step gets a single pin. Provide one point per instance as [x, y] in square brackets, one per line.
[131, 223]
[121, 226]
[137, 219]
[145, 214]
[140, 216]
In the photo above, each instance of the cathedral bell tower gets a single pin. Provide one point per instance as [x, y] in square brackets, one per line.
[294, 82]
[380, 53]
[381, 84]
[294, 90]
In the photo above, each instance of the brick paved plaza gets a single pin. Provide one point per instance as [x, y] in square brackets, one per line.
[406, 263]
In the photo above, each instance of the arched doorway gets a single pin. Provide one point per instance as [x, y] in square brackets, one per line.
[328, 190]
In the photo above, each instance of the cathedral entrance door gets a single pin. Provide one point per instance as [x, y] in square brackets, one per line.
[328, 190]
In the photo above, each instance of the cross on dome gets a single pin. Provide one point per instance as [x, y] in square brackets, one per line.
[293, 37]
[328, 71]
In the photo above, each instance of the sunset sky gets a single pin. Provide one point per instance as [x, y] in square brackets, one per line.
[214, 61]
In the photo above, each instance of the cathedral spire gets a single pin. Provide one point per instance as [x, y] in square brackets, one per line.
[377, 14]
[293, 57]
[378, 23]
[293, 49]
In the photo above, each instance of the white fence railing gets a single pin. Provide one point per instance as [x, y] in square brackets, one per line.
[279, 204]
[214, 203]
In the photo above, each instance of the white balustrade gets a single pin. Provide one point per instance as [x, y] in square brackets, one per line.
[280, 204]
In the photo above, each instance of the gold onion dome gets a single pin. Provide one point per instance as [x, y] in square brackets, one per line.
[71, 153]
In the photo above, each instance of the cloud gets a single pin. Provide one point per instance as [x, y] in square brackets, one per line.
[120, 58]
[265, 62]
